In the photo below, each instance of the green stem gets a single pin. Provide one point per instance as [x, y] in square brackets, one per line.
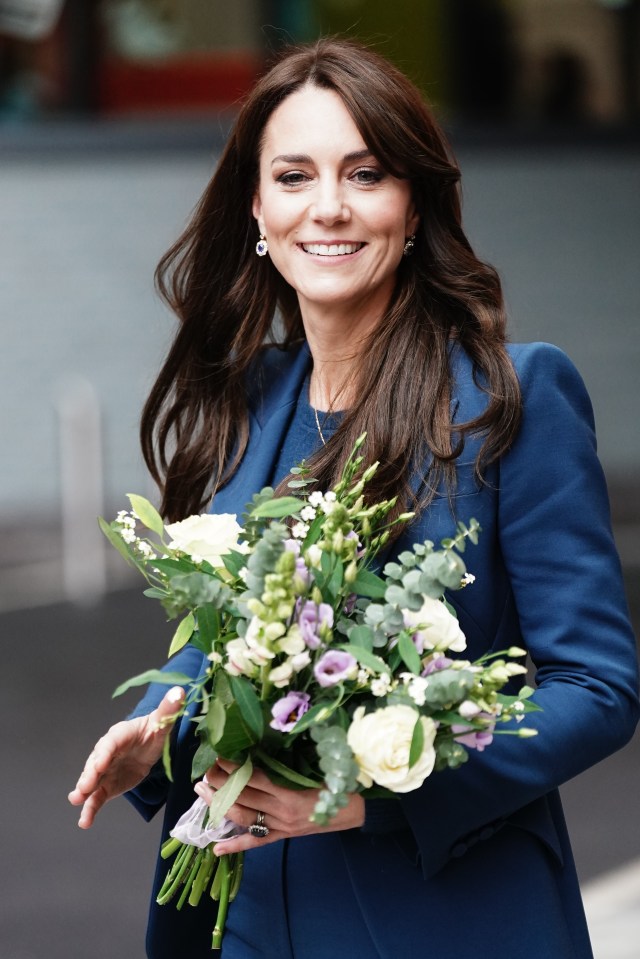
[190, 878]
[284, 771]
[237, 876]
[225, 888]
[202, 877]
[175, 874]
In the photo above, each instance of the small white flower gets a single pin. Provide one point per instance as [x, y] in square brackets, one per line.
[417, 689]
[214, 657]
[363, 676]
[468, 709]
[467, 579]
[128, 535]
[146, 549]
[299, 530]
[308, 514]
[330, 497]
[316, 498]
[381, 685]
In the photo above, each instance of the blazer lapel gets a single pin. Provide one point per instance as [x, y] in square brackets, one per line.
[270, 413]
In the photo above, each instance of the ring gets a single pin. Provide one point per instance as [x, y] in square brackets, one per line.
[259, 830]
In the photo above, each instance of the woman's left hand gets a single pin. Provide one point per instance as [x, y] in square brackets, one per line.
[286, 812]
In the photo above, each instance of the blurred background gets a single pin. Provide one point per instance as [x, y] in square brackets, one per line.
[112, 115]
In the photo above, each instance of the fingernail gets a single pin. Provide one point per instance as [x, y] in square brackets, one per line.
[175, 694]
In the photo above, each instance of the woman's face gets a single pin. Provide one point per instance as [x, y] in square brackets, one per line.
[335, 222]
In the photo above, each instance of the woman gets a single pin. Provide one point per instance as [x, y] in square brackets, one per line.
[390, 324]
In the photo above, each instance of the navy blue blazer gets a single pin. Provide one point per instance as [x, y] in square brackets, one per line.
[484, 867]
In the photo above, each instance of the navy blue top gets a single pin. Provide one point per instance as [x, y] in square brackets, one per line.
[302, 439]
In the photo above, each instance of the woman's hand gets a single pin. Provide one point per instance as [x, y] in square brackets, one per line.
[286, 811]
[123, 757]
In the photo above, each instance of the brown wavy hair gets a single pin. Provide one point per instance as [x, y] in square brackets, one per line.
[194, 427]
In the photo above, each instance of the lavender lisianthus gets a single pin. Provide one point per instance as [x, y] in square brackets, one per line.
[288, 710]
[472, 738]
[311, 617]
[334, 666]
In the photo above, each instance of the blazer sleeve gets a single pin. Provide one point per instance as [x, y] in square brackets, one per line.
[565, 579]
[150, 795]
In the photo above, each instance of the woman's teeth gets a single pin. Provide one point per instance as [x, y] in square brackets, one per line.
[334, 249]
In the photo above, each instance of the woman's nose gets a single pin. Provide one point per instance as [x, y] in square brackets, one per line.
[329, 204]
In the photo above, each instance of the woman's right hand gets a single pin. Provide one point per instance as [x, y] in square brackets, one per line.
[124, 757]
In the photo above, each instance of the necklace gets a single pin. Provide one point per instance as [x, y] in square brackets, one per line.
[315, 413]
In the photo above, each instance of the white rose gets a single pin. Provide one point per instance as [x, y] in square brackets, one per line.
[381, 742]
[209, 536]
[439, 628]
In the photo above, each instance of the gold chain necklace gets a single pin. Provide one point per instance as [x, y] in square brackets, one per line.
[315, 413]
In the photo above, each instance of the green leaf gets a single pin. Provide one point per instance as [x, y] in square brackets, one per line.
[166, 758]
[249, 704]
[317, 714]
[368, 584]
[204, 759]
[208, 625]
[409, 653]
[277, 508]
[154, 592]
[154, 676]
[286, 772]
[215, 721]
[182, 634]
[225, 797]
[146, 513]
[117, 542]
[237, 735]
[417, 742]
[365, 658]
[234, 561]
[362, 636]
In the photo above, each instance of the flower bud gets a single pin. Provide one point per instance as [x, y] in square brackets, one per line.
[351, 572]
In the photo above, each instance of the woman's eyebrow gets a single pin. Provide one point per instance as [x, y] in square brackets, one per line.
[305, 158]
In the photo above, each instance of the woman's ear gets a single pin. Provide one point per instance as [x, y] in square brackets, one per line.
[256, 209]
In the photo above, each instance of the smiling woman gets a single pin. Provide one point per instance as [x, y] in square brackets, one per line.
[336, 223]
[363, 279]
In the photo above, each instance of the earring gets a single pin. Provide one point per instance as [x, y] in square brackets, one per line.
[262, 246]
[409, 245]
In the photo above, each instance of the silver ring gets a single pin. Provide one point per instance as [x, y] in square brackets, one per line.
[259, 830]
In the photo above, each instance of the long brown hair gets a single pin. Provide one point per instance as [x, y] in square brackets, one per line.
[194, 427]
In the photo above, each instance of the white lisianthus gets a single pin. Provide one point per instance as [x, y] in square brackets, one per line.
[435, 627]
[314, 556]
[381, 742]
[208, 536]
[239, 661]
[281, 675]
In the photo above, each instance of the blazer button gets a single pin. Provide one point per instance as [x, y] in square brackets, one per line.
[459, 849]
[487, 832]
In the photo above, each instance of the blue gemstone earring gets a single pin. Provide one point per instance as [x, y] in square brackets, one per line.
[262, 246]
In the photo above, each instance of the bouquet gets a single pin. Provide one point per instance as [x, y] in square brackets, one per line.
[323, 672]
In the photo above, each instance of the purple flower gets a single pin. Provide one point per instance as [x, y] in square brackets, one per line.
[310, 618]
[473, 738]
[333, 667]
[288, 710]
[440, 662]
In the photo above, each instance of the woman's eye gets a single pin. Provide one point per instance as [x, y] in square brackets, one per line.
[291, 179]
[367, 176]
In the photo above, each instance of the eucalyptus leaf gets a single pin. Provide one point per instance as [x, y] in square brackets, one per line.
[146, 513]
[362, 636]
